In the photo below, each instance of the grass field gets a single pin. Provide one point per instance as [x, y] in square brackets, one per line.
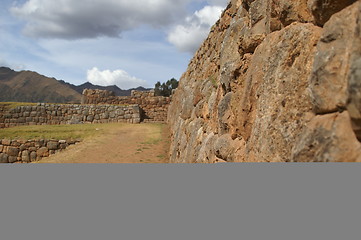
[101, 143]
[80, 131]
[11, 105]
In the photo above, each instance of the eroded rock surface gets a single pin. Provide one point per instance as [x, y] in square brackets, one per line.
[275, 81]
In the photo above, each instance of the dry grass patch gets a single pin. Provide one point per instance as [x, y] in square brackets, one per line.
[11, 105]
[119, 143]
[80, 131]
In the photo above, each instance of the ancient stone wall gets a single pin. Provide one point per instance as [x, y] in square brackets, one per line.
[54, 114]
[154, 108]
[27, 151]
[275, 81]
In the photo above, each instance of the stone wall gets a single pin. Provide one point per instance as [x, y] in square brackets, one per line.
[12, 151]
[154, 108]
[275, 81]
[54, 114]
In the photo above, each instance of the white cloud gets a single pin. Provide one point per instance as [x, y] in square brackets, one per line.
[69, 19]
[189, 36]
[3, 63]
[118, 77]
[14, 66]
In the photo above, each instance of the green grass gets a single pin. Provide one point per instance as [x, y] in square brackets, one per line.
[81, 131]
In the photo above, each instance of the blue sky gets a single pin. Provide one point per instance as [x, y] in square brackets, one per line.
[106, 42]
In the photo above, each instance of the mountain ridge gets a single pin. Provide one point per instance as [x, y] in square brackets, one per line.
[29, 86]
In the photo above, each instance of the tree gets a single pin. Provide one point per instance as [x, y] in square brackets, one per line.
[165, 89]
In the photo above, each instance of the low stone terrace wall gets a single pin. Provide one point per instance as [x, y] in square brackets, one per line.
[55, 114]
[27, 151]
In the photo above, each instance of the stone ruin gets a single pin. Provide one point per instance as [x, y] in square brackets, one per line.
[153, 108]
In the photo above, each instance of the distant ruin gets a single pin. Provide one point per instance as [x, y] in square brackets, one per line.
[153, 108]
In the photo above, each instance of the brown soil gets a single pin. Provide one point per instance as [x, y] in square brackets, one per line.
[142, 143]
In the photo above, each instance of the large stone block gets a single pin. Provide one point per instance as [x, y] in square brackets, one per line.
[329, 79]
[12, 159]
[25, 156]
[52, 145]
[6, 142]
[322, 10]
[33, 156]
[4, 158]
[275, 99]
[354, 78]
[327, 138]
[13, 151]
[42, 152]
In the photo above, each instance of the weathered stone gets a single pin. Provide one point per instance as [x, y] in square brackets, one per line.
[4, 158]
[354, 83]
[6, 142]
[324, 9]
[1, 148]
[15, 143]
[22, 147]
[63, 146]
[40, 143]
[224, 113]
[25, 156]
[112, 114]
[42, 152]
[21, 120]
[90, 118]
[52, 145]
[13, 151]
[273, 103]
[328, 138]
[206, 141]
[12, 159]
[32, 149]
[223, 148]
[329, 79]
[105, 115]
[33, 156]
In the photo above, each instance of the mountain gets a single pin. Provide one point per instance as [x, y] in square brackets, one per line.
[27, 86]
[118, 91]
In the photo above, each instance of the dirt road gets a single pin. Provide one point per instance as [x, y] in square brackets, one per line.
[126, 143]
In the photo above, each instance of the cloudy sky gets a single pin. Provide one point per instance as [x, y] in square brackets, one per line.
[106, 42]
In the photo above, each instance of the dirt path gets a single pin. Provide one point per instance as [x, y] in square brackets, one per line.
[129, 143]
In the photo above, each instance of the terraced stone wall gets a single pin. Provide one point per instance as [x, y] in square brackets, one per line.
[26, 151]
[56, 114]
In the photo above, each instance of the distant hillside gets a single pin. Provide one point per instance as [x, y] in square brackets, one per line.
[114, 88]
[27, 86]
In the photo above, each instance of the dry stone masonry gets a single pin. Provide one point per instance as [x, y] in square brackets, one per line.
[153, 108]
[55, 114]
[27, 151]
[275, 81]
